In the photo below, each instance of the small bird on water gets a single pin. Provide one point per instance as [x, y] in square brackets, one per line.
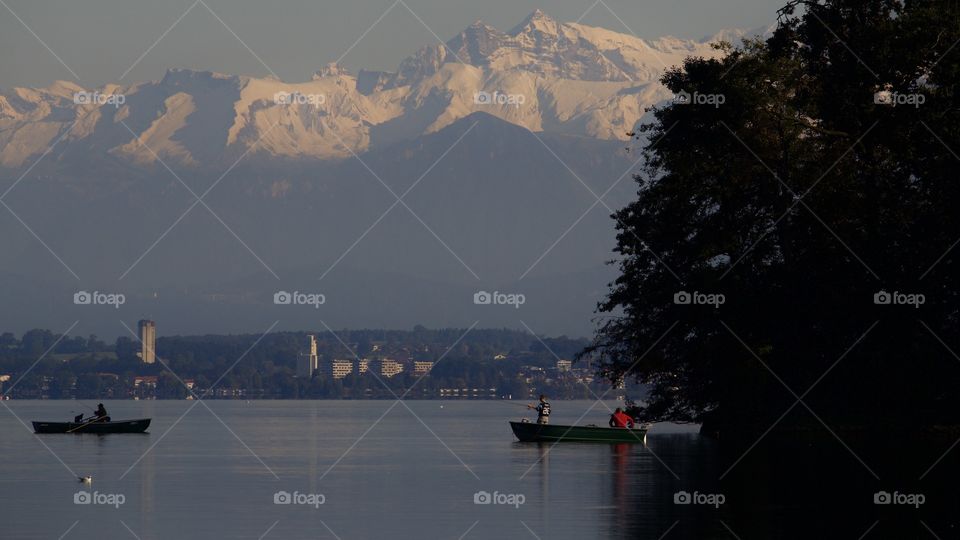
[86, 479]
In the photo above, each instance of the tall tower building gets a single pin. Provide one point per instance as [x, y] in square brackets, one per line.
[148, 341]
[308, 363]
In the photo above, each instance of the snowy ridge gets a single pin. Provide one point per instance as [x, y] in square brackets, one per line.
[543, 75]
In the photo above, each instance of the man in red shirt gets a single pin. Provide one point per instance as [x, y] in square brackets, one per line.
[620, 419]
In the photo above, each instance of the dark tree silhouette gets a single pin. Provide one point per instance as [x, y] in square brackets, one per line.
[826, 176]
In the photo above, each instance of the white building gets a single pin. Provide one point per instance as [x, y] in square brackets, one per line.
[148, 341]
[308, 363]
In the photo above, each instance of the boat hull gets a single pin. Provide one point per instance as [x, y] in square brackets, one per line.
[121, 426]
[532, 432]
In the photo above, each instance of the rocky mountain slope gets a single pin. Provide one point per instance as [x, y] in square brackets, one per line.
[543, 75]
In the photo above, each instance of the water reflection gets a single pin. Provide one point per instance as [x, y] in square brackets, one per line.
[803, 486]
[543, 451]
[620, 454]
[799, 486]
[822, 485]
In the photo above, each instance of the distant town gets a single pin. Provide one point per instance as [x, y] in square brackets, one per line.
[351, 364]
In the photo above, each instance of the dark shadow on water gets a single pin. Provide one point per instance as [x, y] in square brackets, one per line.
[810, 485]
[824, 485]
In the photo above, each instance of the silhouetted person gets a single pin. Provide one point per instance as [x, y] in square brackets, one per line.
[101, 414]
[543, 410]
[620, 419]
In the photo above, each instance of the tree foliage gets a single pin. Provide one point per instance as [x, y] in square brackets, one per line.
[819, 182]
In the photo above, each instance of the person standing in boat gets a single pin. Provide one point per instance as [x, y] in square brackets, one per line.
[543, 410]
[101, 413]
[620, 419]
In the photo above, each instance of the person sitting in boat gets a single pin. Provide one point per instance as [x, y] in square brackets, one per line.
[620, 419]
[543, 410]
[101, 413]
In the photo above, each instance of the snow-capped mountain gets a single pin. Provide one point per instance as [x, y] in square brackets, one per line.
[508, 138]
[544, 75]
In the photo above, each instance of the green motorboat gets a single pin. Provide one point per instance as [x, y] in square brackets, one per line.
[532, 432]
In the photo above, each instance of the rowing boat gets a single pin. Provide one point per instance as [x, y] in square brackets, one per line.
[120, 426]
[532, 432]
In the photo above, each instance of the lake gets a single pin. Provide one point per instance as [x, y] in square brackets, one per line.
[376, 469]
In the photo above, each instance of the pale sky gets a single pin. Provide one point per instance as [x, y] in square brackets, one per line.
[99, 40]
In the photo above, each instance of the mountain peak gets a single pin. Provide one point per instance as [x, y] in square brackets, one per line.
[547, 76]
[61, 87]
[479, 27]
[537, 14]
[736, 35]
[475, 44]
[536, 21]
[332, 69]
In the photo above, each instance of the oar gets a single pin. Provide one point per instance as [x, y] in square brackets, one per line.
[85, 424]
[81, 412]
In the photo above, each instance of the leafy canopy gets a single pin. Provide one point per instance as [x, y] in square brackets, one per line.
[826, 175]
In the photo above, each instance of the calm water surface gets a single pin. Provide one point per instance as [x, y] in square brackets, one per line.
[388, 472]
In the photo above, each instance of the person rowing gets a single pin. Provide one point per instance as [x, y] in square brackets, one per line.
[101, 414]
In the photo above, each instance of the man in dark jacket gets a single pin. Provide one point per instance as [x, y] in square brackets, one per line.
[101, 413]
[543, 410]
